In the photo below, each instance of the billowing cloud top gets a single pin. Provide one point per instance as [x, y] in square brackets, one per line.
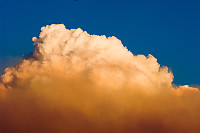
[71, 72]
[105, 59]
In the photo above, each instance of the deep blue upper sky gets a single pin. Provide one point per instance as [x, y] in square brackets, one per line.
[167, 29]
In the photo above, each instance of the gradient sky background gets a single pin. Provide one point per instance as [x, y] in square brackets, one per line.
[167, 29]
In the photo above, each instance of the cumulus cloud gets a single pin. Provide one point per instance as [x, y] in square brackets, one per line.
[8, 61]
[75, 82]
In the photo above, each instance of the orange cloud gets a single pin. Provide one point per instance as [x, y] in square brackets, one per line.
[75, 82]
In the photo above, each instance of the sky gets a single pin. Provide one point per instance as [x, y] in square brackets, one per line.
[167, 29]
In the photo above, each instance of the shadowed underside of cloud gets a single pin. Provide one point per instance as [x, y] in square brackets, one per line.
[75, 82]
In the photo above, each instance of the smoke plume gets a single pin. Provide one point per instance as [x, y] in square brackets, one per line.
[74, 82]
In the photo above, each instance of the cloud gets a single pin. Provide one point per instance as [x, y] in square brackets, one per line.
[76, 82]
[8, 61]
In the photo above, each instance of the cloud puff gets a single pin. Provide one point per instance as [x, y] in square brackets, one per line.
[76, 82]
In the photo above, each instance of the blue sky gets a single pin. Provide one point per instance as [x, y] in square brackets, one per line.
[167, 29]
